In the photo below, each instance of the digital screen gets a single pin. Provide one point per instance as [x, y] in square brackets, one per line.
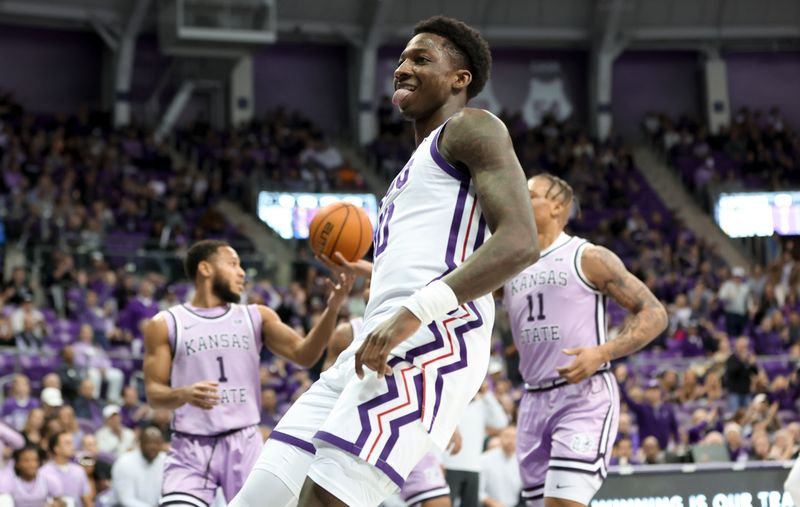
[691, 486]
[290, 213]
[743, 215]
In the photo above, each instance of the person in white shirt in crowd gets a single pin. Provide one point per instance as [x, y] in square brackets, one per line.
[137, 475]
[500, 482]
[113, 437]
[27, 311]
[484, 417]
[98, 365]
[735, 296]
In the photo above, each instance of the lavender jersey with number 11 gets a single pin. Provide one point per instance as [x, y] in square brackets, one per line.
[553, 307]
[221, 345]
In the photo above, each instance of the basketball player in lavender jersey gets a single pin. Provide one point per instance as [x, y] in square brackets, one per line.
[568, 416]
[202, 361]
[454, 225]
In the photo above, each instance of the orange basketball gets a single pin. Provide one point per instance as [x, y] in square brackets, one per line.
[341, 227]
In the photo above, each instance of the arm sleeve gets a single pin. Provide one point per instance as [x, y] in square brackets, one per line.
[122, 484]
[10, 437]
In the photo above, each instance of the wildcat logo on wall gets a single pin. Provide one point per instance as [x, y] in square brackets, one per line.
[546, 94]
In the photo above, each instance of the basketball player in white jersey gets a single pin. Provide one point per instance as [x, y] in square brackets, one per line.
[202, 361]
[568, 416]
[454, 225]
[426, 485]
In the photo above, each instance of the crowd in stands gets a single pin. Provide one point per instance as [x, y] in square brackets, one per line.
[69, 184]
[757, 151]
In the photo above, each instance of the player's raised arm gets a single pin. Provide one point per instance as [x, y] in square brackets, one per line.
[648, 318]
[479, 140]
[157, 366]
[284, 341]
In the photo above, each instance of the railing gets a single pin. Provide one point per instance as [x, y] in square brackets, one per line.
[19, 357]
[164, 262]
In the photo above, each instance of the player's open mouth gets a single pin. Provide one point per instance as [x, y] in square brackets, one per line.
[401, 94]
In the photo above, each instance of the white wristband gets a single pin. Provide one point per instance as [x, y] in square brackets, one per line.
[432, 302]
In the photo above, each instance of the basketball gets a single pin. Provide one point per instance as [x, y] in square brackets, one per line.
[341, 227]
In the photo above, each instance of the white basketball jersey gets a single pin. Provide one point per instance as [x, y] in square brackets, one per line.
[430, 222]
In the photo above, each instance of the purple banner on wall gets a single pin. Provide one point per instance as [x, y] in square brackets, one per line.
[661, 81]
[51, 71]
[311, 78]
[764, 80]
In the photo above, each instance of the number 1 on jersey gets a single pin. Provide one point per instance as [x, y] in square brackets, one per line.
[222, 377]
[541, 315]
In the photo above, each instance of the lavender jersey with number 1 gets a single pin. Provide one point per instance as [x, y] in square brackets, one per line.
[224, 348]
[217, 447]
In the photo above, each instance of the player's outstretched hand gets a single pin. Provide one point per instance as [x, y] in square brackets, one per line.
[587, 361]
[341, 265]
[374, 352]
[203, 395]
[340, 290]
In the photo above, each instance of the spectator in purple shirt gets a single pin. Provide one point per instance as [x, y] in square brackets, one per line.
[95, 361]
[71, 477]
[653, 417]
[16, 407]
[138, 309]
[271, 413]
[99, 318]
[133, 411]
[703, 422]
[27, 485]
[623, 453]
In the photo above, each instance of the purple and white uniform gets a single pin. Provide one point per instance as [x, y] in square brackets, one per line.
[561, 427]
[430, 222]
[217, 447]
[425, 482]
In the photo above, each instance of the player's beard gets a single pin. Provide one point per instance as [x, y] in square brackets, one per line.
[221, 289]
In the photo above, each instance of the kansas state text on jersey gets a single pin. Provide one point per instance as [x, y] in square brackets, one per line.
[223, 347]
[553, 307]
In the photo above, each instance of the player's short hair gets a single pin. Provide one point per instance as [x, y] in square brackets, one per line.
[560, 190]
[199, 252]
[466, 44]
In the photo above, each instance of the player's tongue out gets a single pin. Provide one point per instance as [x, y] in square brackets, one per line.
[399, 95]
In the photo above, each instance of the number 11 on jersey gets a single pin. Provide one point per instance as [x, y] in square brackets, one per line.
[531, 305]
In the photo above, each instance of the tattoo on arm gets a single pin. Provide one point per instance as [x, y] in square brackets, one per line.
[607, 272]
[481, 142]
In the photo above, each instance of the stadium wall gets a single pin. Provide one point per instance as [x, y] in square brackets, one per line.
[764, 80]
[661, 81]
[49, 70]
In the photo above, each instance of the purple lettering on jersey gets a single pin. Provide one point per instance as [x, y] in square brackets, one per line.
[382, 231]
[402, 178]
